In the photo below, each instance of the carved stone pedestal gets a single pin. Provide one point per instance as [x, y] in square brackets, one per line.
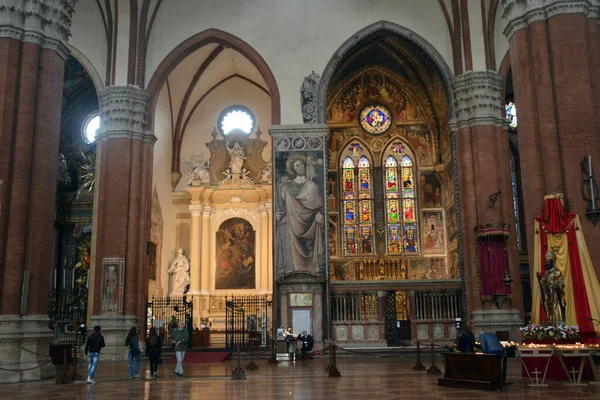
[497, 320]
[114, 330]
[20, 336]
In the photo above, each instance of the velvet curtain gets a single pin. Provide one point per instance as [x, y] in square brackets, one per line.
[493, 264]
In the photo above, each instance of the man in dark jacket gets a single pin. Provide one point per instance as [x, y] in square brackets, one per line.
[94, 344]
[465, 342]
[307, 343]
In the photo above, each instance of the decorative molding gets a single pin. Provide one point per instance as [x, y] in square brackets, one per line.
[46, 23]
[308, 96]
[236, 199]
[123, 114]
[196, 209]
[299, 137]
[224, 214]
[519, 14]
[208, 211]
[477, 100]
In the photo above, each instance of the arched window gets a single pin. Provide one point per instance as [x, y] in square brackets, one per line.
[401, 216]
[357, 202]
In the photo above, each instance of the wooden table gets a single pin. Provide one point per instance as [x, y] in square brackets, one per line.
[539, 351]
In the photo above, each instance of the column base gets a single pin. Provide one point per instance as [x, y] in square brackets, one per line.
[29, 332]
[497, 320]
[115, 329]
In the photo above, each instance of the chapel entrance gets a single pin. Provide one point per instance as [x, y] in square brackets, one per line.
[397, 323]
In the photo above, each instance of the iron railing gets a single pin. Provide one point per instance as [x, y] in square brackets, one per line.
[248, 321]
[163, 313]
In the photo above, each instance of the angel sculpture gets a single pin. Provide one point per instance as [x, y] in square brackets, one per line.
[267, 174]
[198, 171]
[245, 176]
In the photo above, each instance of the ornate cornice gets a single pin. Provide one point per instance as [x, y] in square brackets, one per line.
[519, 14]
[299, 137]
[43, 22]
[123, 114]
[477, 100]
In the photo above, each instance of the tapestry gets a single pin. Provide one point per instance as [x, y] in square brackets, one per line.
[236, 256]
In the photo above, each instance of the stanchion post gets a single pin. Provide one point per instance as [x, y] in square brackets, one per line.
[238, 372]
[251, 365]
[419, 365]
[433, 370]
[273, 359]
[333, 371]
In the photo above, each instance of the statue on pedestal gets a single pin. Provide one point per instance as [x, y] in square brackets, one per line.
[552, 288]
[238, 156]
[180, 273]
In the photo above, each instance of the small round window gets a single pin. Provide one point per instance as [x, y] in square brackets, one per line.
[90, 128]
[375, 119]
[236, 118]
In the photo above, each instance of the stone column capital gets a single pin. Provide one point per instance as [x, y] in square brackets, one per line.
[208, 211]
[478, 100]
[123, 113]
[43, 22]
[519, 14]
[196, 210]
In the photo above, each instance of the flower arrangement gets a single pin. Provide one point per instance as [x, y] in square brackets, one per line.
[559, 332]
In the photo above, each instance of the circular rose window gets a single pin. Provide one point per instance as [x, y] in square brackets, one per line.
[375, 119]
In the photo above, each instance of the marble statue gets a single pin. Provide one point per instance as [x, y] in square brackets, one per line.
[198, 171]
[301, 217]
[64, 177]
[238, 156]
[245, 176]
[180, 273]
[228, 177]
[552, 288]
[308, 97]
[267, 174]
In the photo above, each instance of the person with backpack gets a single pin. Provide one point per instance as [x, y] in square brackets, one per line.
[153, 351]
[94, 344]
[134, 352]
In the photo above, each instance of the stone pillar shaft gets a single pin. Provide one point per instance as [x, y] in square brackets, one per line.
[124, 184]
[483, 167]
[264, 251]
[33, 37]
[554, 58]
[195, 252]
[205, 282]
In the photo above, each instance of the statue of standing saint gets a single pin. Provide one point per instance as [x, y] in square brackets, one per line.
[180, 273]
[237, 158]
[552, 287]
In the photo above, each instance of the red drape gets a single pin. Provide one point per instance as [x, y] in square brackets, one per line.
[493, 264]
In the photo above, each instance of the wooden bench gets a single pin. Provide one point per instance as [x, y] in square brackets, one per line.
[474, 371]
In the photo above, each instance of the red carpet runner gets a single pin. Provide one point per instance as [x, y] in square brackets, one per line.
[201, 357]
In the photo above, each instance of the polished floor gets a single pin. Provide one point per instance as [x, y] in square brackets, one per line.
[362, 378]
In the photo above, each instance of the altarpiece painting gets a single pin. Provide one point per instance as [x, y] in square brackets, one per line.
[236, 242]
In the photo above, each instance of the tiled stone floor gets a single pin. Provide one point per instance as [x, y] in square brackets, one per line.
[362, 378]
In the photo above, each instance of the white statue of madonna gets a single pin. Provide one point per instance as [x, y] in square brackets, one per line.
[180, 273]
[237, 158]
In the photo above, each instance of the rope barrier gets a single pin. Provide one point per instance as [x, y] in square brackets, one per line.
[32, 368]
[35, 354]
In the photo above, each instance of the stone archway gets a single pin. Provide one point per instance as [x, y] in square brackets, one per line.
[192, 44]
[394, 30]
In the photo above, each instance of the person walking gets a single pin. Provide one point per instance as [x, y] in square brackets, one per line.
[153, 351]
[179, 340]
[94, 344]
[134, 352]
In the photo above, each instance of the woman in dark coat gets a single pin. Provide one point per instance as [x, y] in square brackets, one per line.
[153, 348]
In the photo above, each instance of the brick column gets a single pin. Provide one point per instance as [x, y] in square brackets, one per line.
[555, 53]
[483, 168]
[122, 218]
[33, 37]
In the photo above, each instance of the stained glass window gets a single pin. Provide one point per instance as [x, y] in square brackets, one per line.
[402, 236]
[357, 202]
[513, 176]
[375, 119]
[511, 115]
